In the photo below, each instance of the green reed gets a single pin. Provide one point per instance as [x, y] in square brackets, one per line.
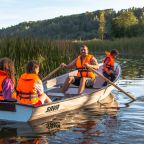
[48, 52]
[126, 46]
[51, 53]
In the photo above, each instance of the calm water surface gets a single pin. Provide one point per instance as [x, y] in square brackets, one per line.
[97, 124]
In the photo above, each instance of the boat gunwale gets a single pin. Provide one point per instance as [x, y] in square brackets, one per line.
[67, 99]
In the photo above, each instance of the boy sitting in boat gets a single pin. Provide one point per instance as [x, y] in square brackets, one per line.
[30, 89]
[85, 77]
[7, 80]
[108, 65]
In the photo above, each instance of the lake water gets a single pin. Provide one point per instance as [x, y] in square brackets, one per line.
[96, 124]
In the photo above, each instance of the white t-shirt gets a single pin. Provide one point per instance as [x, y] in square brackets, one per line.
[39, 87]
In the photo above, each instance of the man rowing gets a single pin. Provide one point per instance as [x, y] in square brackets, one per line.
[85, 77]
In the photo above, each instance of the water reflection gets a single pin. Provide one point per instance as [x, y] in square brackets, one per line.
[86, 121]
[133, 68]
[104, 122]
[39, 140]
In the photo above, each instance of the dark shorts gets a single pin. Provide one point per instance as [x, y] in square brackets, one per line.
[89, 82]
[111, 77]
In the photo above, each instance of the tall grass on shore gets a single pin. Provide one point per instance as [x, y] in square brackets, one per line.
[126, 46]
[49, 53]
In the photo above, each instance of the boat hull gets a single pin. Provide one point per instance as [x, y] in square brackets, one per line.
[24, 113]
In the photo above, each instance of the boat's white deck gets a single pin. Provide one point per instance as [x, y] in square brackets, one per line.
[53, 86]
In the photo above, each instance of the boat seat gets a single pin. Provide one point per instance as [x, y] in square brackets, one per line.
[6, 106]
[72, 91]
[55, 94]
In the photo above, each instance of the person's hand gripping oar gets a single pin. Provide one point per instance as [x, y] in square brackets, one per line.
[107, 80]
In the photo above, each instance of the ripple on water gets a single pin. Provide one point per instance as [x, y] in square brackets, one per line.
[93, 125]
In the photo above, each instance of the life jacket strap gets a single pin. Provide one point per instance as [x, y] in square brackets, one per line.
[81, 70]
[29, 95]
[1, 95]
[24, 93]
[109, 67]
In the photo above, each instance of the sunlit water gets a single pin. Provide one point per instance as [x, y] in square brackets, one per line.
[91, 125]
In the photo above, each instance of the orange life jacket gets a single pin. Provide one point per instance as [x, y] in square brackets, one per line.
[82, 70]
[3, 76]
[26, 93]
[110, 64]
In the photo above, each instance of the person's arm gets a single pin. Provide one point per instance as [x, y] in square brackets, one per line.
[105, 66]
[43, 97]
[7, 89]
[70, 65]
[106, 61]
[39, 87]
[93, 64]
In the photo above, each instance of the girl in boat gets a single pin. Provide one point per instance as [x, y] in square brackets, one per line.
[108, 65]
[30, 88]
[7, 80]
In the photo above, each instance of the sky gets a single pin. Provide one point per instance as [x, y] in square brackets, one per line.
[13, 12]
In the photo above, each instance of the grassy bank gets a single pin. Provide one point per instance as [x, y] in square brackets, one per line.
[126, 46]
[49, 53]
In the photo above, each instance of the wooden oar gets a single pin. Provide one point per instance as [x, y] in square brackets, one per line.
[107, 80]
[50, 74]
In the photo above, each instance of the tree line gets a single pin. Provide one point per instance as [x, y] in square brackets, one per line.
[102, 24]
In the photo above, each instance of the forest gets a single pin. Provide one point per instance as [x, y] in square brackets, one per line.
[100, 24]
[58, 40]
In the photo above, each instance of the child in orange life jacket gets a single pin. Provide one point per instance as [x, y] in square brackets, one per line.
[7, 80]
[30, 89]
[108, 65]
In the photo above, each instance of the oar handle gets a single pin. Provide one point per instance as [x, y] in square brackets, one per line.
[50, 74]
[106, 79]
